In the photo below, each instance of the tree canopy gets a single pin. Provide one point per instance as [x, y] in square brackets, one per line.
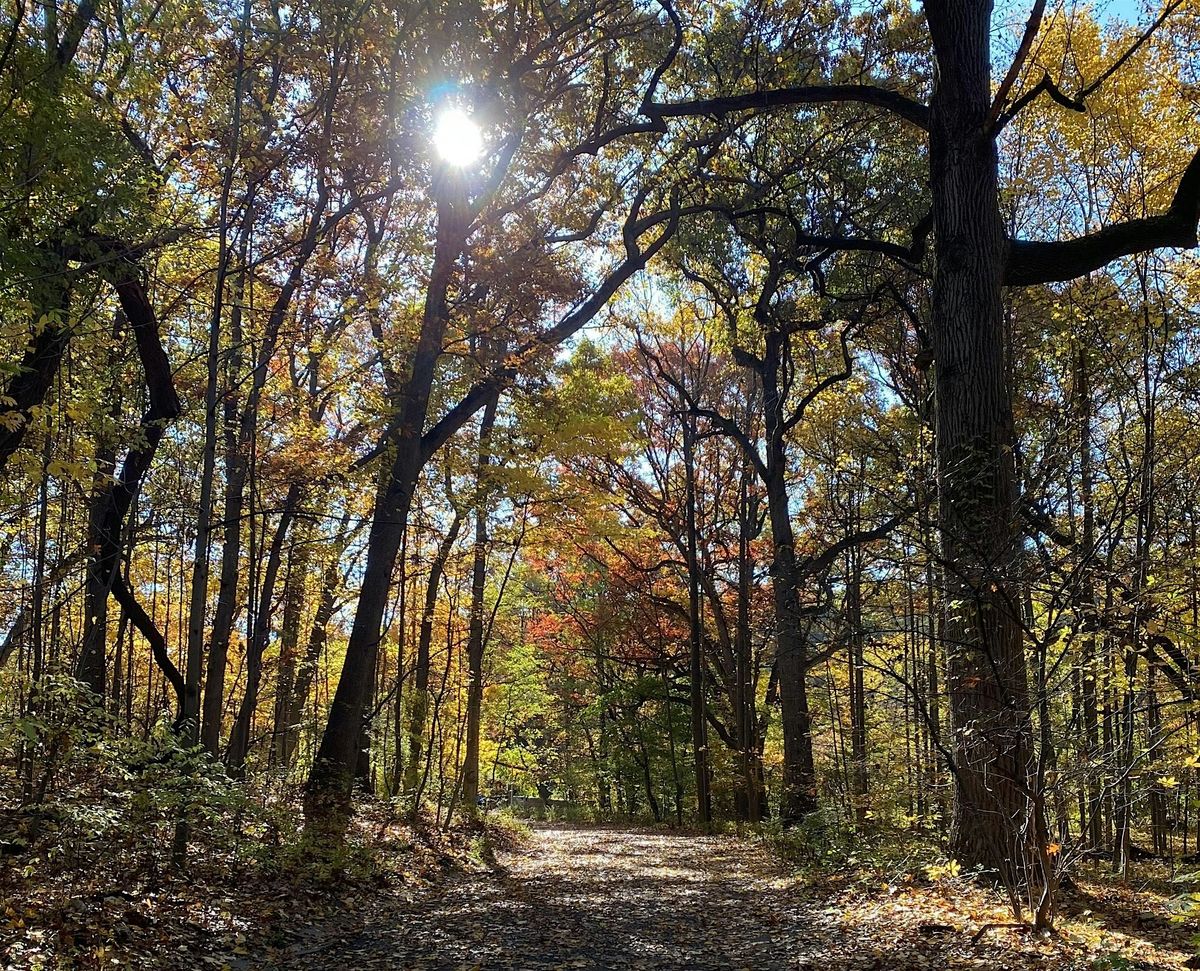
[781, 412]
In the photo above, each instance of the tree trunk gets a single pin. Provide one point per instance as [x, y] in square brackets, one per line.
[798, 795]
[239, 739]
[745, 700]
[327, 797]
[111, 504]
[476, 635]
[231, 554]
[695, 632]
[236, 430]
[987, 681]
[858, 695]
[92, 666]
[307, 669]
[1089, 664]
[294, 586]
[240, 428]
[1138, 597]
[420, 694]
[364, 781]
[198, 601]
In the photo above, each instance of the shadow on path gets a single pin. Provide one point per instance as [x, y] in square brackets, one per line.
[593, 898]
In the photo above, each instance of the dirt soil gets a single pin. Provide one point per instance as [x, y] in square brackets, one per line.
[594, 897]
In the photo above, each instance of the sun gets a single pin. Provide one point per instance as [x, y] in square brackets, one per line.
[457, 138]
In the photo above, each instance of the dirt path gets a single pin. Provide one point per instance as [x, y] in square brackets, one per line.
[606, 898]
[593, 898]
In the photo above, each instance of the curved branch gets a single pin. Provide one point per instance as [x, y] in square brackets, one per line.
[810, 94]
[503, 377]
[1031, 262]
[1077, 103]
[118, 496]
[727, 426]
[909, 255]
[1047, 85]
[823, 561]
[147, 628]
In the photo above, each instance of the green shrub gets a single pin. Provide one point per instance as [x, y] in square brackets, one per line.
[85, 782]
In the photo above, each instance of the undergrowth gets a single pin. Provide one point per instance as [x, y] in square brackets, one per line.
[88, 817]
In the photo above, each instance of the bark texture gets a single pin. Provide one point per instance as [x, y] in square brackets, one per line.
[989, 704]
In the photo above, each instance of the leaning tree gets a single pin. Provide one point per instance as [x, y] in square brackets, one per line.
[569, 173]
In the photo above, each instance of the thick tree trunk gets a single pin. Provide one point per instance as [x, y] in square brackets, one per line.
[987, 681]
[798, 795]
[294, 585]
[92, 666]
[111, 504]
[364, 779]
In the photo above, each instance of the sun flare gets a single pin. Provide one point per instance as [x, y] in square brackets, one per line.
[457, 138]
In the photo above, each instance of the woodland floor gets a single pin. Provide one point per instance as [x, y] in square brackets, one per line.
[564, 897]
[594, 897]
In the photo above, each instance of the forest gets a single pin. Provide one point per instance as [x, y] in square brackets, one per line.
[599, 483]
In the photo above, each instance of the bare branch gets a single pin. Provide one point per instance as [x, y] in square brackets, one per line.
[1031, 28]
[1077, 103]
[898, 104]
[818, 564]
[1031, 262]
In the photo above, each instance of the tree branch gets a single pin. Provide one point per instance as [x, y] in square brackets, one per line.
[1077, 103]
[898, 104]
[147, 628]
[908, 255]
[817, 564]
[1031, 28]
[1031, 262]
[503, 377]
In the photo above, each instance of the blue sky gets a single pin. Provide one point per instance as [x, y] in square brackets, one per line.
[1126, 9]
[1132, 10]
